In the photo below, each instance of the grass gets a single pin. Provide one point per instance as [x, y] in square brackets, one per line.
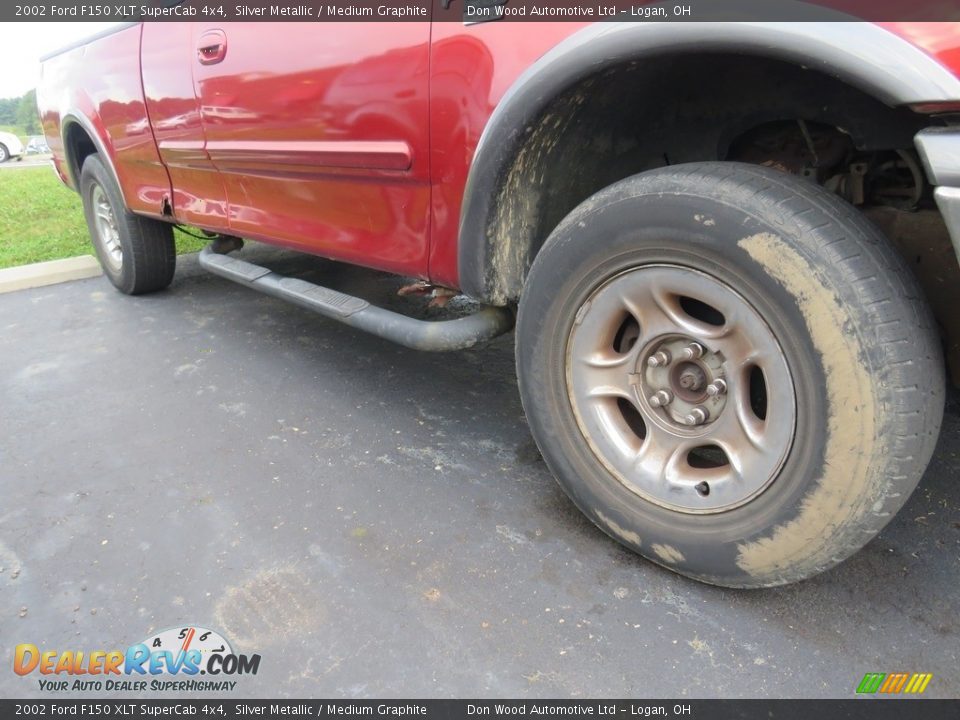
[40, 219]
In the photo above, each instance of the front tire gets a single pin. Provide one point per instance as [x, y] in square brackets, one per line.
[138, 254]
[4, 153]
[729, 371]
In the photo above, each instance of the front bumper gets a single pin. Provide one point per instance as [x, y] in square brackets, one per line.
[939, 149]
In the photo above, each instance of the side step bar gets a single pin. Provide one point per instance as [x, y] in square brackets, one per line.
[458, 334]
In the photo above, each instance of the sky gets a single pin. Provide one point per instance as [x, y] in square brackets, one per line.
[24, 42]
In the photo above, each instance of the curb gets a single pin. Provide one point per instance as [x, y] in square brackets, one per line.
[49, 273]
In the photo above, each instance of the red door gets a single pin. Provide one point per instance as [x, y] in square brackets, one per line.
[199, 197]
[319, 132]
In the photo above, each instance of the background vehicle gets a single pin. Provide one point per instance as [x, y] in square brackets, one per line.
[727, 243]
[10, 147]
[36, 145]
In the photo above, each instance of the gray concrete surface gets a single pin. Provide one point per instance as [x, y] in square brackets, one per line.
[377, 522]
[50, 272]
[27, 161]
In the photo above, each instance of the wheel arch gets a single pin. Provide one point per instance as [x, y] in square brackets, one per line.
[81, 139]
[501, 223]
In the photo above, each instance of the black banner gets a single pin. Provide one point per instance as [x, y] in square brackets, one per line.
[479, 11]
[444, 709]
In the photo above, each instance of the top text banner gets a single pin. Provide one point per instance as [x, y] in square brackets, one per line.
[483, 11]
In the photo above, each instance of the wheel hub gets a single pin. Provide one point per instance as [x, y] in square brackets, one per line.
[680, 388]
[107, 231]
[676, 384]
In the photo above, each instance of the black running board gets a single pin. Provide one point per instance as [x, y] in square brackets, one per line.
[484, 325]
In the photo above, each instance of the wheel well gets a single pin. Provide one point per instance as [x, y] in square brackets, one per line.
[667, 110]
[78, 145]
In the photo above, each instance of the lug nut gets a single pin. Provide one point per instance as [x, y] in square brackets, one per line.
[693, 351]
[717, 387]
[661, 358]
[661, 398]
[697, 416]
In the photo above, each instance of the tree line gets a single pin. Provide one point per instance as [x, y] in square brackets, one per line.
[21, 111]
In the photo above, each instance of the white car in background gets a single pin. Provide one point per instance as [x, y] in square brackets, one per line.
[10, 147]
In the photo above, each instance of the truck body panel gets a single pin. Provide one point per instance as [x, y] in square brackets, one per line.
[359, 141]
[98, 87]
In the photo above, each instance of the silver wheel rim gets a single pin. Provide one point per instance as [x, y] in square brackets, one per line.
[681, 389]
[105, 223]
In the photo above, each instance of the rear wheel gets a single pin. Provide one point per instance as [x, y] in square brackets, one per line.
[138, 254]
[729, 371]
[4, 153]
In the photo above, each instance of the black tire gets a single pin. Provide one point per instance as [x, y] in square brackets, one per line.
[868, 375]
[144, 256]
[4, 153]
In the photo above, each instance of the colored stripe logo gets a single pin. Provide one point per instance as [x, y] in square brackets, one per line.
[894, 683]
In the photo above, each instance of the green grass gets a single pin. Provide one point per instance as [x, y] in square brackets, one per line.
[40, 219]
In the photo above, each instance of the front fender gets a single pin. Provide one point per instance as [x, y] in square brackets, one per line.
[861, 54]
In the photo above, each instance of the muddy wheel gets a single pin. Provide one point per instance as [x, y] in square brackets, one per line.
[729, 371]
[137, 253]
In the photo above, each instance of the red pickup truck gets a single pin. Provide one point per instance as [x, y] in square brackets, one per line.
[729, 247]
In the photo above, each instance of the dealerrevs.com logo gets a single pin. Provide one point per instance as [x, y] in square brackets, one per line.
[172, 660]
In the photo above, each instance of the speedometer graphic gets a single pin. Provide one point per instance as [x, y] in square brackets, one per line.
[183, 639]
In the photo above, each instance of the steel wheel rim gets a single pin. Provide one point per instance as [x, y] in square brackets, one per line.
[105, 222]
[710, 446]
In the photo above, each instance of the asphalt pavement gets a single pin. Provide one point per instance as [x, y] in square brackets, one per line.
[376, 522]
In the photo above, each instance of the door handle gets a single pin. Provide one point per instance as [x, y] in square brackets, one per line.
[212, 47]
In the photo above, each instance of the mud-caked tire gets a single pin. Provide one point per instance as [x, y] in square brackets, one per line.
[730, 371]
